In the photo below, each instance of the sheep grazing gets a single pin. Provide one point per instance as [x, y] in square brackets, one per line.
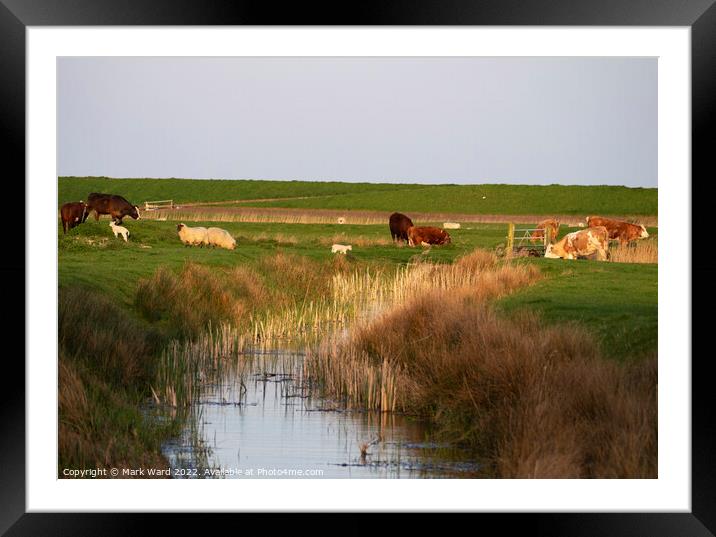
[341, 248]
[220, 237]
[119, 230]
[192, 236]
[451, 225]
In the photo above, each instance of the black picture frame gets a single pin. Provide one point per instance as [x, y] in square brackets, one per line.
[699, 15]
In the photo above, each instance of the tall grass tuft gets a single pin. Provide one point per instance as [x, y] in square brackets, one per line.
[642, 251]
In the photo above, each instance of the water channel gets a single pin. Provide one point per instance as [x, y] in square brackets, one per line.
[260, 420]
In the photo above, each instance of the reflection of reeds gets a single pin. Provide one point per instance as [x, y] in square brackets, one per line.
[642, 251]
[185, 365]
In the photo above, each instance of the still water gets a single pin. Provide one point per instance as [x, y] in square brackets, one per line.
[259, 420]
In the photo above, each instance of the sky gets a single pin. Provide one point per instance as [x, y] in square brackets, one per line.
[463, 120]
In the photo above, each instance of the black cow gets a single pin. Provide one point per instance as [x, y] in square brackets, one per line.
[73, 214]
[115, 206]
[399, 224]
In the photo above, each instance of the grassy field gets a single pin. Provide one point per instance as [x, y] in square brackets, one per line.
[471, 199]
[618, 300]
[213, 190]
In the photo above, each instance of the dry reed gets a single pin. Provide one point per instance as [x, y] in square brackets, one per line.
[643, 251]
[355, 217]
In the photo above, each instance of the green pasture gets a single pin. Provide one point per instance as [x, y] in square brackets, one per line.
[138, 191]
[466, 199]
[90, 254]
[617, 300]
[498, 199]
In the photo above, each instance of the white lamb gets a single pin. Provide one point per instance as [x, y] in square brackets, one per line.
[341, 248]
[191, 236]
[119, 230]
[221, 238]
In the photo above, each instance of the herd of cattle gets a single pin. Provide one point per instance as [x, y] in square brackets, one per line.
[590, 242]
[593, 241]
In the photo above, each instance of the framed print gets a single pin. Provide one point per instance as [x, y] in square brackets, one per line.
[140, 294]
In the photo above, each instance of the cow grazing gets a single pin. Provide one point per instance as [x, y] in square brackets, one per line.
[115, 206]
[624, 232]
[582, 243]
[399, 224]
[73, 214]
[551, 226]
[426, 236]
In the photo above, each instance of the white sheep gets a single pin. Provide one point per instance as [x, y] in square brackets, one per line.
[451, 225]
[119, 230]
[192, 236]
[341, 248]
[341, 220]
[220, 237]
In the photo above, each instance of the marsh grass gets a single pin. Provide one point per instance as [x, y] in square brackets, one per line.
[281, 215]
[642, 251]
[539, 401]
[106, 360]
[357, 376]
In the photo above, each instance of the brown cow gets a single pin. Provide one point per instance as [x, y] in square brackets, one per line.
[115, 206]
[427, 235]
[582, 243]
[624, 232]
[73, 214]
[550, 225]
[399, 224]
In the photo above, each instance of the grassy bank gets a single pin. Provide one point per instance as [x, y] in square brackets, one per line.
[472, 199]
[617, 302]
[208, 190]
[106, 363]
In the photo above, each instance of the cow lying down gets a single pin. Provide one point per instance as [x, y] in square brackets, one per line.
[583, 243]
[425, 236]
[624, 232]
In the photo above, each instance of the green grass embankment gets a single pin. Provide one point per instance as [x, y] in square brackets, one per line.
[466, 199]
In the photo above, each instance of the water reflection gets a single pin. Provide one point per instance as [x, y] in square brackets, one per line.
[260, 421]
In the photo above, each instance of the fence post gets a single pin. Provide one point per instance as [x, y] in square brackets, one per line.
[510, 236]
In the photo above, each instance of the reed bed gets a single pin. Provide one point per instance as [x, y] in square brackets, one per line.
[185, 365]
[348, 373]
[539, 402]
[643, 251]
[356, 217]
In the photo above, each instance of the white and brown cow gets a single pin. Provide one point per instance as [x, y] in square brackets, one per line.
[624, 232]
[426, 235]
[582, 243]
[551, 226]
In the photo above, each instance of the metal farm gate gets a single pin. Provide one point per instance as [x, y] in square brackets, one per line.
[519, 240]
